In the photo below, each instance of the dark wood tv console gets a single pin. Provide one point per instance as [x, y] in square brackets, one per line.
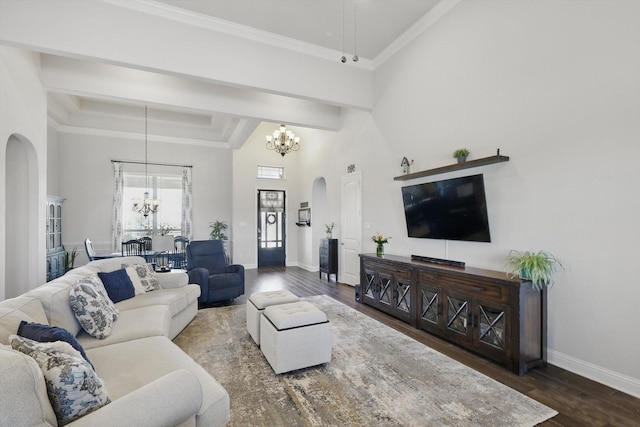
[483, 311]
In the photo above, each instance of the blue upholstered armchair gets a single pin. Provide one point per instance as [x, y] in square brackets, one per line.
[207, 266]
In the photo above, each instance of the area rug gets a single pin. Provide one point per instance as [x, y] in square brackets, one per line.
[377, 377]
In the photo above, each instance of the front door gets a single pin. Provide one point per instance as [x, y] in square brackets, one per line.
[271, 228]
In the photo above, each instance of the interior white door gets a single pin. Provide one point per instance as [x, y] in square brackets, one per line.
[351, 229]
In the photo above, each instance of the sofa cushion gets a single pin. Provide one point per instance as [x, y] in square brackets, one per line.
[146, 276]
[74, 388]
[177, 299]
[24, 399]
[91, 310]
[118, 285]
[45, 333]
[131, 325]
[15, 310]
[54, 297]
[143, 369]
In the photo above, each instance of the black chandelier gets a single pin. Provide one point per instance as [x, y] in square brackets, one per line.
[283, 141]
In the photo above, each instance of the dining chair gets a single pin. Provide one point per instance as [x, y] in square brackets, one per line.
[133, 247]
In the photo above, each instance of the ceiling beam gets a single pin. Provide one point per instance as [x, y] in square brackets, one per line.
[111, 33]
[110, 82]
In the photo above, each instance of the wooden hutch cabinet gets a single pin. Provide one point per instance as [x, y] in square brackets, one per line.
[55, 250]
[480, 310]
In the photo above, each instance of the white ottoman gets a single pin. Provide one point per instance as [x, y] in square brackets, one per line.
[257, 302]
[295, 336]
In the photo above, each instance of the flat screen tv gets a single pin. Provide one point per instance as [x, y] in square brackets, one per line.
[452, 209]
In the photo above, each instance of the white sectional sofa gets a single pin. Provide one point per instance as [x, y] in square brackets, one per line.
[150, 381]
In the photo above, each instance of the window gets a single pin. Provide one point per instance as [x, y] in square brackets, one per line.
[165, 188]
[270, 172]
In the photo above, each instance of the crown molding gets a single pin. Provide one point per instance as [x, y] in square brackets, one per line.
[423, 24]
[135, 136]
[211, 23]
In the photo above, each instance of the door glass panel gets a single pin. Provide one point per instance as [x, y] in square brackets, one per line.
[385, 290]
[491, 327]
[457, 314]
[403, 295]
[429, 305]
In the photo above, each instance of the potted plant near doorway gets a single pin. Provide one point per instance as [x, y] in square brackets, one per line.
[218, 229]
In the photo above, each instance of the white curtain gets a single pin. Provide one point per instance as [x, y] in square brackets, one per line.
[118, 188]
[187, 207]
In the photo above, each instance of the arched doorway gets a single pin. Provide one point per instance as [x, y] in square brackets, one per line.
[21, 219]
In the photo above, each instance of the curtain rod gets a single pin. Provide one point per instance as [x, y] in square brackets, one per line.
[151, 163]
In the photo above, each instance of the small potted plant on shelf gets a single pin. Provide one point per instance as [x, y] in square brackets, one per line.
[461, 155]
[217, 230]
[538, 267]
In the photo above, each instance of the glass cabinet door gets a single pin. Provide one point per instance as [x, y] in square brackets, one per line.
[457, 310]
[491, 326]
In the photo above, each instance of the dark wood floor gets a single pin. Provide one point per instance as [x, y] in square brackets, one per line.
[579, 401]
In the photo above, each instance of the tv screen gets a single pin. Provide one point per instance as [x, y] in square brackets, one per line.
[452, 209]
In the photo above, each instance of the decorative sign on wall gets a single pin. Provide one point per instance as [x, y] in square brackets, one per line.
[351, 168]
[304, 204]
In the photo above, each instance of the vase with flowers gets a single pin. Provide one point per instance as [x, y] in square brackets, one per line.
[380, 241]
[329, 230]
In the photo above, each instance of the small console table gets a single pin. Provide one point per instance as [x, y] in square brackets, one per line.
[483, 311]
[329, 257]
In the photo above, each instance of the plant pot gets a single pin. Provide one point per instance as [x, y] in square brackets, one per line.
[462, 159]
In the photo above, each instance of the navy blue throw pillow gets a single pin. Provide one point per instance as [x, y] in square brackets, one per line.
[46, 333]
[118, 285]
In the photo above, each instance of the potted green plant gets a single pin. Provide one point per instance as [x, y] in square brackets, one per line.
[218, 230]
[461, 154]
[538, 267]
[69, 258]
[329, 230]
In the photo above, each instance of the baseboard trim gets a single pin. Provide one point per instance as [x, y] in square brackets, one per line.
[621, 382]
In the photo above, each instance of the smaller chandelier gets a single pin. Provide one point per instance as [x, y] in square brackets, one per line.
[146, 206]
[283, 141]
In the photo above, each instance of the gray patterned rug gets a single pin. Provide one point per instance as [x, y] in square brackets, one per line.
[377, 377]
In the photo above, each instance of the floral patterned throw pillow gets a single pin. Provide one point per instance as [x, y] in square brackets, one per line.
[94, 280]
[146, 276]
[73, 387]
[91, 310]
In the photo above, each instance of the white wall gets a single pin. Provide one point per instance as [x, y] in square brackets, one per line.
[86, 181]
[556, 86]
[23, 117]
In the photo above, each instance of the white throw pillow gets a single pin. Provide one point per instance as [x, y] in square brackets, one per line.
[73, 387]
[135, 279]
[91, 310]
[146, 276]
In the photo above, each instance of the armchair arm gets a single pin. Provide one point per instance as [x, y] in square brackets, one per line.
[167, 401]
[173, 279]
[235, 268]
[200, 276]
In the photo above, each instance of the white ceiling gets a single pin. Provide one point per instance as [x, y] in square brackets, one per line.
[316, 23]
[369, 25]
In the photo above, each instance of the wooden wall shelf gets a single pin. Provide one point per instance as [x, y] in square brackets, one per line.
[457, 166]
